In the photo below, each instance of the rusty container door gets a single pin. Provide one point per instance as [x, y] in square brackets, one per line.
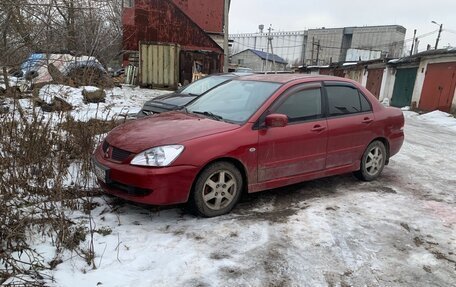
[438, 88]
[159, 65]
[374, 81]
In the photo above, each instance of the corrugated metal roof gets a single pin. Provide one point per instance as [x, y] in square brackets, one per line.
[268, 56]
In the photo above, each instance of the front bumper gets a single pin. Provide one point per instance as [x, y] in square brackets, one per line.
[148, 185]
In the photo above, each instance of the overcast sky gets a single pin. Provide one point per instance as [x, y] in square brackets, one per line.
[296, 15]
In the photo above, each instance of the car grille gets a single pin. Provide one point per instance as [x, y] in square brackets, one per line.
[120, 154]
[116, 154]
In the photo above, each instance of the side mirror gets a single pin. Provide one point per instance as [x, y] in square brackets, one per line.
[276, 121]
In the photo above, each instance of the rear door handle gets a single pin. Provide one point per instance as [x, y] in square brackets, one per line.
[318, 128]
[367, 120]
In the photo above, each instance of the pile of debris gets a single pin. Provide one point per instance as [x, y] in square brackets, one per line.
[54, 98]
[55, 82]
[40, 69]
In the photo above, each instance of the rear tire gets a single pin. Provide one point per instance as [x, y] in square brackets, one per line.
[372, 162]
[217, 190]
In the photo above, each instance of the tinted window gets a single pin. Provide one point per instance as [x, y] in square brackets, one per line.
[303, 105]
[344, 100]
[365, 106]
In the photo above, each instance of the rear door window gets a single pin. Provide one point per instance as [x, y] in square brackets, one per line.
[345, 100]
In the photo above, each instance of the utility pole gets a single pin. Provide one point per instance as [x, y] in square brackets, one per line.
[270, 38]
[225, 36]
[438, 36]
[267, 53]
[417, 42]
[273, 58]
[267, 50]
[318, 52]
[413, 42]
[313, 44]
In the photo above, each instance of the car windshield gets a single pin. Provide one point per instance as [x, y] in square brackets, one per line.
[201, 86]
[235, 101]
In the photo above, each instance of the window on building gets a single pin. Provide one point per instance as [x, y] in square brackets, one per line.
[240, 61]
[344, 100]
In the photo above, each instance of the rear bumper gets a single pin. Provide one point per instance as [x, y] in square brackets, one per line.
[155, 186]
[396, 140]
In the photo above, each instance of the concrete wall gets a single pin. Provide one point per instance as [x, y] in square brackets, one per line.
[453, 106]
[389, 78]
[296, 47]
[385, 38]
[330, 41]
[288, 45]
[251, 60]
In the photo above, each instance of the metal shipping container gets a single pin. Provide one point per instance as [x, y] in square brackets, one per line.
[159, 65]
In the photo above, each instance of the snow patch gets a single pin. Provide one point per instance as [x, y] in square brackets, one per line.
[440, 119]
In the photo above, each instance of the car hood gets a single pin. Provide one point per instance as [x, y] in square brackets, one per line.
[164, 129]
[173, 99]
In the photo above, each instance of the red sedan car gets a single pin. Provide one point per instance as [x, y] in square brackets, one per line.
[251, 134]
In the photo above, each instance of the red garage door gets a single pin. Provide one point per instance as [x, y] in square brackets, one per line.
[438, 87]
[374, 81]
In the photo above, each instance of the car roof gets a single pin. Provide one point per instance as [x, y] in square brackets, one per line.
[230, 75]
[285, 78]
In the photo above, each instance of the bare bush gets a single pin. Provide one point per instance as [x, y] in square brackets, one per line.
[45, 165]
[90, 27]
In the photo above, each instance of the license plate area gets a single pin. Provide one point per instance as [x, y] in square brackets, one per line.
[100, 171]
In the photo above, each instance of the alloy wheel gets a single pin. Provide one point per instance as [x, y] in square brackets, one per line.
[219, 189]
[374, 161]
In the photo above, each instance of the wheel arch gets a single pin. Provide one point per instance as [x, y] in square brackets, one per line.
[237, 163]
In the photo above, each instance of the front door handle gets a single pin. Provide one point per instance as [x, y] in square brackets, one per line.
[318, 128]
[367, 120]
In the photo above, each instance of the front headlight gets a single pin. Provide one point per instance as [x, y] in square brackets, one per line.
[158, 156]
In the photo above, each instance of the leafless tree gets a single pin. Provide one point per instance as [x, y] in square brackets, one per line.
[90, 27]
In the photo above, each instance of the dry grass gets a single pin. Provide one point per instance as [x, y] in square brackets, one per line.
[35, 156]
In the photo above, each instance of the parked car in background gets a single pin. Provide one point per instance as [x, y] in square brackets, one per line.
[118, 72]
[180, 98]
[243, 70]
[251, 134]
[81, 70]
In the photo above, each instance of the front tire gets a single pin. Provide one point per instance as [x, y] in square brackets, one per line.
[372, 162]
[217, 190]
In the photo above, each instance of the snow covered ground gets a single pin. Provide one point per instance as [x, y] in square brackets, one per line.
[397, 231]
[119, 102]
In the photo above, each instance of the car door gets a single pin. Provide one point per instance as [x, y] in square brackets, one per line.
[350, 118]
[300, 146]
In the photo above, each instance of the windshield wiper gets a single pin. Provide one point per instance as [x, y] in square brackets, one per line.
[190, 95]
[209, 114]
